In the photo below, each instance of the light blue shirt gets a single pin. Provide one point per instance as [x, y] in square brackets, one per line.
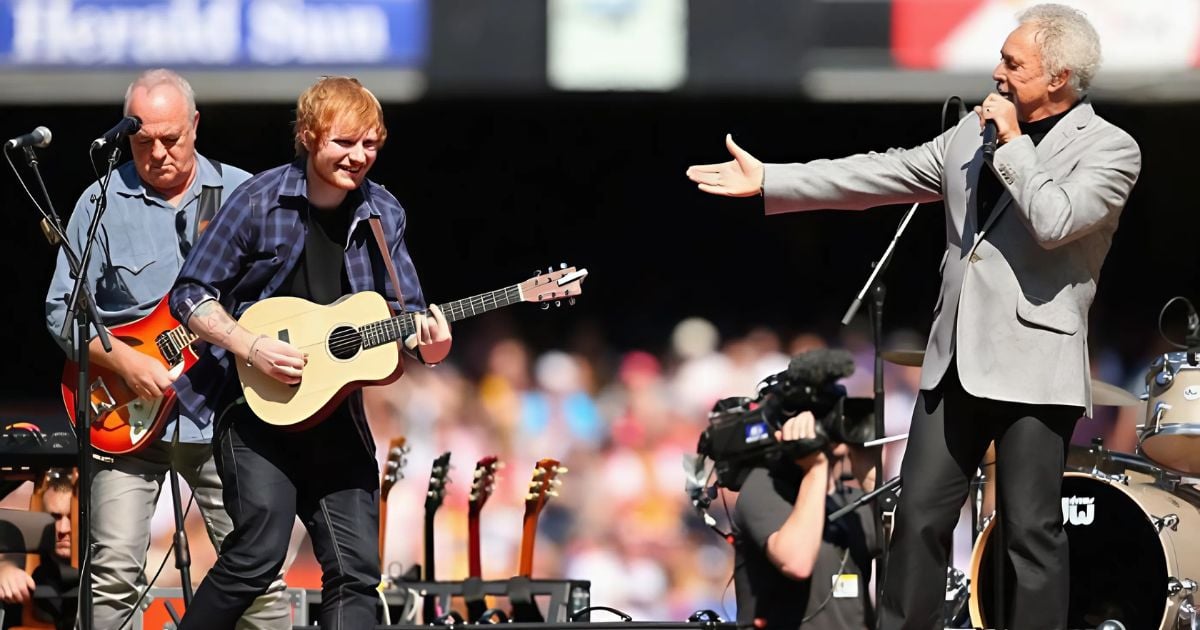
[136, 255]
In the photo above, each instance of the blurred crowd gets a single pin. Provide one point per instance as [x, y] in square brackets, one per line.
[621, 421]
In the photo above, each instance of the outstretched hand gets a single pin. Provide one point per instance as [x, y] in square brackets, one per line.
[740, 177]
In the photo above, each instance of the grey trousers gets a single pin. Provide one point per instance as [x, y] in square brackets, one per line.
[124, 495]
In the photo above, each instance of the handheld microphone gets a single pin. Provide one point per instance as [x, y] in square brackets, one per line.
[989, 140]
[39, 137]
[128, 126]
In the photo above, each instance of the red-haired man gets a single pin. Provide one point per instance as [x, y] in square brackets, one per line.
[300, 230]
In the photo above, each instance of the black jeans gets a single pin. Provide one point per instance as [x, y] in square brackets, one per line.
[949, 435]
[325, 475]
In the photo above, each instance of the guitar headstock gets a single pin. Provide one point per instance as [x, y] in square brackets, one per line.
[393, 468]
[439, 476]
[543, 485]
[483, 482]
[554, 286]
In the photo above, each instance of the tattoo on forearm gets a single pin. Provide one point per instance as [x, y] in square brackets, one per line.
[213, 324]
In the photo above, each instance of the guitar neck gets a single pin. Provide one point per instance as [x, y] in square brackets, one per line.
[528, 538]
[430, 573]
[382, 533]
[401, 326]
[474, 563]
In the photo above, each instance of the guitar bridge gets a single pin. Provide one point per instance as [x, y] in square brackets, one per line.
[103, 406]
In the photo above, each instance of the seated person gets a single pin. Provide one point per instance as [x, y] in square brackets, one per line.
[16, 585]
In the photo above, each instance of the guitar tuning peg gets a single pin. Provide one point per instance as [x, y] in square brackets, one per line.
[562, 265]
[550, 269]
[571, 301]
[557, 303]
[500, 465]
[556, 482]
[552, 493]
[562, 470]
[530, 496]
[545, 306]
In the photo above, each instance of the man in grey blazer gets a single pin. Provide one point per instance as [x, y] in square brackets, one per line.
[1007, 358]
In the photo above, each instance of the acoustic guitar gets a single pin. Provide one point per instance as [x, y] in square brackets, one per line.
[353, 343]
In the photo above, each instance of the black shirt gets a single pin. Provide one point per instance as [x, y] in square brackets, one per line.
[320, 273]
[763, 505]
[990, 188]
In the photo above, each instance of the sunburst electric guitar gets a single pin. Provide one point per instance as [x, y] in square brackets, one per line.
[353, 342]
[121, 421]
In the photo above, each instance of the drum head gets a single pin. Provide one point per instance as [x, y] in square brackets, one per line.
[1118, 570]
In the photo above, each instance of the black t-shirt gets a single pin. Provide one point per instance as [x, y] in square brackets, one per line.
[763, 505]
[320, 273]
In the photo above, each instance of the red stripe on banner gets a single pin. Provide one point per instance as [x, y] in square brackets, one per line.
[920, 26]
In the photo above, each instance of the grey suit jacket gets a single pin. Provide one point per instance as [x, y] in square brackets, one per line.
[1015, 292]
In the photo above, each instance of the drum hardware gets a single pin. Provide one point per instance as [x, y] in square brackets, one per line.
[1176, 586]
[1187, 613]
[1170, 520]
[1120, 478]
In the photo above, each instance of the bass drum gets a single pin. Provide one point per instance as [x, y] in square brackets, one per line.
[1132, 543]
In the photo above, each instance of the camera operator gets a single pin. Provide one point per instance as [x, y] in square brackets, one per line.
[791, 569]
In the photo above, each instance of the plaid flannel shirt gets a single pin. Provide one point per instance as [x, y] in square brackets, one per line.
[250, 248]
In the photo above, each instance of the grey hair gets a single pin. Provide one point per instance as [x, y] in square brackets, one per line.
[1067, 41]
[151, 79]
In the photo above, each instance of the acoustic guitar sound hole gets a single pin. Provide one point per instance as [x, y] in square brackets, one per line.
[344, 342]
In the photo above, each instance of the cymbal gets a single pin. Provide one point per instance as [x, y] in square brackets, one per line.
[909, 358]
[1103, 394]
[1109, 395]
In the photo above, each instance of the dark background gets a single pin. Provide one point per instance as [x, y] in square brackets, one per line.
[497, 187]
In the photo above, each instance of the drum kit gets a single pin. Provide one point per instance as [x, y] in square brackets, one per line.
[1133, 520]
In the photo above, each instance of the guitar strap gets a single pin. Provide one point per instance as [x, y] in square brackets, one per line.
[386, 255]
[210, 202]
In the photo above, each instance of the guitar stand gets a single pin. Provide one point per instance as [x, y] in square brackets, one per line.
[563, 598]
[476, 600]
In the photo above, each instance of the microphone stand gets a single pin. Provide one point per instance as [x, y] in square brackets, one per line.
[81, 315]
[878, 292]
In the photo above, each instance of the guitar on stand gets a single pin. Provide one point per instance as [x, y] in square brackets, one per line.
[483, 483]
[352, 343]
[542, 486]
[439, 476]
[122, 422]
[393, 471]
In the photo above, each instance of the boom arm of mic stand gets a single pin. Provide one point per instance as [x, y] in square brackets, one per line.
[81, 271]
[864, 499]
[879, 267]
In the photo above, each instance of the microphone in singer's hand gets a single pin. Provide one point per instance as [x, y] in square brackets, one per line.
[39, 137]
[989, 140]
[128, 126]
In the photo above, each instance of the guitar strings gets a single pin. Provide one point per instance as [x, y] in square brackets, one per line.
[342, 341]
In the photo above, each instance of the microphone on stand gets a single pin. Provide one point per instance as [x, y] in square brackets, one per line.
[128, 126]
[39, 137]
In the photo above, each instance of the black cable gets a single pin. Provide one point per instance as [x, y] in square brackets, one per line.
[150, 584]
[45, 216]
[1162, 333]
